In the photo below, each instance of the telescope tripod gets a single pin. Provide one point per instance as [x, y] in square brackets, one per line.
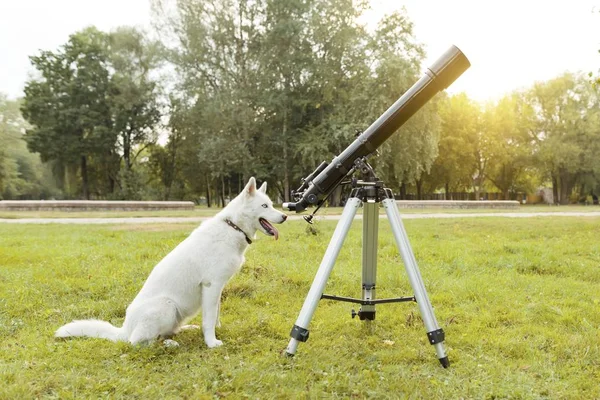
[370, 194]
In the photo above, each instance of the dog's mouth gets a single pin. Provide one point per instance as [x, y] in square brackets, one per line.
[269, 229]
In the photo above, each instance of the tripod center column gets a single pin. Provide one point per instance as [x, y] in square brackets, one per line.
[369, 256]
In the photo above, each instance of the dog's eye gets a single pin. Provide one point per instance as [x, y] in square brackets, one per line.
[264, 206]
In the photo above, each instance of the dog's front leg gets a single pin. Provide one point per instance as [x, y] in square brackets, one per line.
[211, 296]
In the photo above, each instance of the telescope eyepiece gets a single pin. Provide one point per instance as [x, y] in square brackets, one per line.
[297, 207]
[289, 206]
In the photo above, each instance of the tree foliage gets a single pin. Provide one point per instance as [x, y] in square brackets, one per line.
[281, 85]
[458, 160]
[271, 88]
[566, 131]
[91, 105]
[22, 174]
[507, 125]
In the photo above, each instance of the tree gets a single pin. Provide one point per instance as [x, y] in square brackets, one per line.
[22, 174]
[566, 131]
[68, 104]
[281, 85]
[134, 99]
[395, 63]
[285, 57]
[507, 125]
[311, 91]
[458, 160]
[214, 55]
[92, 105]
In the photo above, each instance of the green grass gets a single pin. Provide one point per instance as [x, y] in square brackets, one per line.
[518, 299]
[207, 212]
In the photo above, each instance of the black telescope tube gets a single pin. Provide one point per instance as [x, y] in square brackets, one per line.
[438, 76]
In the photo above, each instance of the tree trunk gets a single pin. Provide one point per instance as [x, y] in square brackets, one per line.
[564, 195]
[167, 193]
[66, 184]
[447, 191]
[476, 188]
[280, 190]
[171, 168]
[335, 200]
[127, 152]
[217, 192]
[222, 191]
[286, 185]
[229, 189]
[566, 186]
[555, 191]
[84, 179]
[402, 191]
[419, 183]
[286, 175]
[208, 192]
[111, 184]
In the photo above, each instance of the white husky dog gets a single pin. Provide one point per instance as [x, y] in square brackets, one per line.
[192, 276]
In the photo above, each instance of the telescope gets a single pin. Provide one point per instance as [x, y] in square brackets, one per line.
[317, 186]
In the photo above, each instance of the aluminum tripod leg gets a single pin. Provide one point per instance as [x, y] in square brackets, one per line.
[300, 330]
[434, 333]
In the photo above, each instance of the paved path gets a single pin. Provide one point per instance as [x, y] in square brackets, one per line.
[177, 220]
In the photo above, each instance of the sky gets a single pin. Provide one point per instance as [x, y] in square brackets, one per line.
[510, 43]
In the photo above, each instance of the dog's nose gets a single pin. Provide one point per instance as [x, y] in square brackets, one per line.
[284, 217]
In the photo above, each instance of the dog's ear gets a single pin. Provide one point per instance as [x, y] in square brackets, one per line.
[263, 187]
[250, 188]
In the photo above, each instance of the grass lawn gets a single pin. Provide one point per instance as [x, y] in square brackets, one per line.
[519, 300]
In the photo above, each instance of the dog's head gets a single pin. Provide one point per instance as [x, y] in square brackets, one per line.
[259, 207]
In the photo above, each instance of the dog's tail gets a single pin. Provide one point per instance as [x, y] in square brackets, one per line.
[90, 328]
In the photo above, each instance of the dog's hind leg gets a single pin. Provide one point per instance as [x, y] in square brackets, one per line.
[144, 333]
[211, 297]
[159, 319]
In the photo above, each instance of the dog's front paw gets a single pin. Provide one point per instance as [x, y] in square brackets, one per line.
[214, 343]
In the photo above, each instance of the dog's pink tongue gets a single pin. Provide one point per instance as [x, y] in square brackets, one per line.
[275, 232]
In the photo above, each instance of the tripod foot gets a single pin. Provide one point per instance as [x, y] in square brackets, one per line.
[445, 362]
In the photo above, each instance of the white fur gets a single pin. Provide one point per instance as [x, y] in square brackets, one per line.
[190, 278]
